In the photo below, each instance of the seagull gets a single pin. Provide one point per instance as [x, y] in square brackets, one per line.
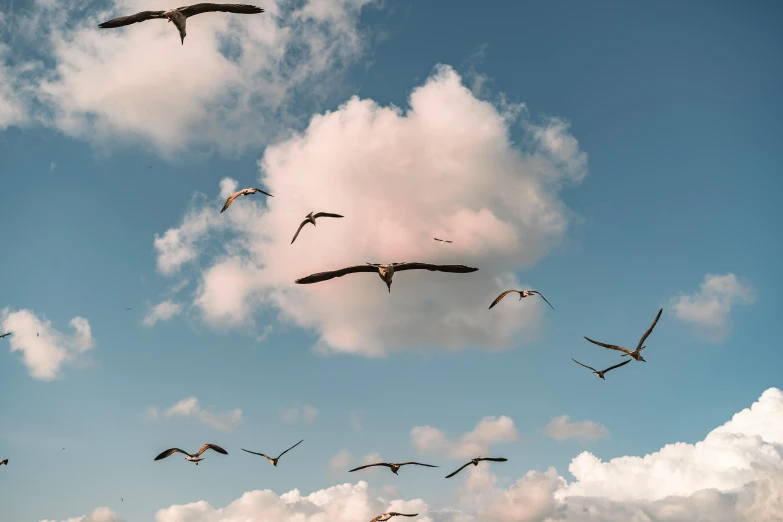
[127, 308]
[386, 272]
[394, 466]
[522, 293]
[5, 335]
[602, 372]
[383, 517]
[475, 463]
[4, 462]
[636, 355]
[274, 461]
[310, 218]
[243, 192]
[442, 240]
[180, 15]
[192, 458]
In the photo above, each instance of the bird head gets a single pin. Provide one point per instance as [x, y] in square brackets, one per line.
[601, 375]
[642, 359]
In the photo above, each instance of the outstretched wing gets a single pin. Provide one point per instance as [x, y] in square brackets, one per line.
[4, 461]
[254, 453]
[369, 466]
[230, 200]
[494, 459]
[456, 269]
[298, 230]
[418, 464]
[500, 297]
[610, 346]
[588, 367]
[324, 276]
[460, 469]
[442, 240]
[617, 365]
[326, 214]
[542, 297]
[131, 19]
[289, 449]
[195, 9]
[170, 452]
[215, 447]
[262, 192]
[395, 514]
[649, 330]
[5, 335]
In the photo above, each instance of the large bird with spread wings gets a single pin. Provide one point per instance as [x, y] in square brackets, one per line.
[636, 355]
[310, 218]
[475, 463]
[393, 466]
[192, 458]
[5, 335]
[271, 459]
[180, 15]
[522, 294]
[243, 192]
[601, 373]
[383, 517]
[4, 461]
[386, 272]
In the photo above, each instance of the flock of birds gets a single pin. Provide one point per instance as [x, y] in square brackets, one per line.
[179, 17]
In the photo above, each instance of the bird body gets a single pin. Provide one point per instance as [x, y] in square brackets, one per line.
[636, 354]
[393, 466]
[475, 462]
[386, 272]
[243, 192]
[602, 372]
[4, 461]
[271, 459]
[383, 517]
[192, 458]
[522, 294]
[310, 218]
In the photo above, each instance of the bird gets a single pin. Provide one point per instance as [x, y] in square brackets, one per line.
[475, 463]
[522, 293]
[180, 15]
[5, 335]
[394, 466]
[602, 372]
[310, 218]
[127, 308]
[5, 461]
[386, 272]
[274, 461]
[442, 240]
[122, 499]
[636, 355]
[243, 192]
[383, 517]
[192, 458]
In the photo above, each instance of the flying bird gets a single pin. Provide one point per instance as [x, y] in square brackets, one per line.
[636, 355]
[5, 461]
[522, 293]
[383, 517]
[127, 308]
[602, 372]
[310, 218]
[5, 335]
[442, 240]
[243, 192]
[394, 466]
[475, 463]
[180, 15]
[386, 272]
[192, 458]
[274, 461]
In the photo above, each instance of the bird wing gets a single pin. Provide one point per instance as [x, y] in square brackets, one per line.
[192, 10]
[460, 469]
[369, 466]
[298, 230]
[418, 464]
[590, 367]
[493, 459]
[230, 200]
[395, 514]
[215, 447]
[5, 335]
[5, 461]
[542, 297]
[170, 452]
[457, 269]
[610, 346]
[326, 214]
[289, 449]
[262, 192]
[324, 276]
[254, 453]
[500, 297]
[617, 366]
[131, 19]
[649, 330]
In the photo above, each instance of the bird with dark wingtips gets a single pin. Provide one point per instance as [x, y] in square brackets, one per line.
[636, 355]
[180, 15]
[243, 192]
[192, 458]
[602, 372]
[383, 517]
[442, 240]
[393, 466]
[310, 218]
[386, 272]
[273, 460]
[522, 294]
[475, 463]
[5, 335]
[5, 461]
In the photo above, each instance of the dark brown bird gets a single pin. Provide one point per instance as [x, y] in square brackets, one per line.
[636, 355]
[243, 192]
[383, 517]
[522, 294]
[4, 461]
[192, 458]
[272, 460]
[180, 15]
[386, 272]
[394, 466]
[602, 372]
[310, 218]
[475, 463]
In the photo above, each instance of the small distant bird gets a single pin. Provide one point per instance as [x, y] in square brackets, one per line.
[310, 218]
[442, 240]
[274, 461]
[37, 335]
[636, 355]
[386, 272]
[127, 308]
[5, 461]
[180, 15]
[192, 458]
[522, 293]
[394, 466]
[122, 499]
[475, 463]
[243, 192]
[5, 335]
[383, 517]
[602, 372]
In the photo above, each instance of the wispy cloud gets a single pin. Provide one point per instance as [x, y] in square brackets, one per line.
[305, 413]
[339, 463]
[162, 312]
[52, 166]
[560, 428]
[355, 419]
[488, 432]
[190, 407]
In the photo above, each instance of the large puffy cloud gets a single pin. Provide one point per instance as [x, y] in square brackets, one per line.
[101, 514]
[708, 309]
[561, 428]
[44, 348]
[445, 168]
[191, 407]
[489, 431]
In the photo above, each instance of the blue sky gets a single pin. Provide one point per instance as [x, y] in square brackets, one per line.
[663, 169]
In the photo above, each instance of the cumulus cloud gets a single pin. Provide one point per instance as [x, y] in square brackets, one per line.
[190, 407]
[44, 348]
[162, 311]
[101, 514]
[708, 309]
[446, 167]
[339, 463]
[306, 413]
[489, 431]
[561, 428]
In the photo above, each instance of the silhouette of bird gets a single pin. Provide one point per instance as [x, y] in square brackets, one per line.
[192, 458]
[522, 294]
[475, 463]
[243, 192]
[272, 460]
[394, 466]
[386, 272]
[602, 372]
[310, 218]
[636, 355]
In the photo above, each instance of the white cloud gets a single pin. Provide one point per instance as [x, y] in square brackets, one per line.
[306, 413]
[190, 407]
[339, 463]
[488, 432]
[101, 514]
[454, 172]
[12, 106]
[561, 428]
[162, 312]
[45, 349]
[708, 309]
